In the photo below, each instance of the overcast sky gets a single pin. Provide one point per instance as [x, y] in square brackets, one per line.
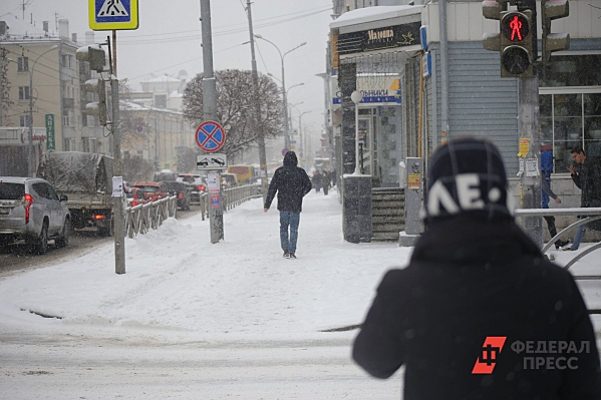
[168, 39]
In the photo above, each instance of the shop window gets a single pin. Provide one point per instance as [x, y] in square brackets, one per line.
[592, 123]
[572, 70]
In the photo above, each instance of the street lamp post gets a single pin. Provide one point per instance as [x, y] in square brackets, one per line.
[302, 137]
[30, 145]
[356, 98]
[284, 98]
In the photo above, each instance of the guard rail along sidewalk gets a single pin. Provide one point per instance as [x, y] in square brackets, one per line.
[231, 198]
[586, 215]
[141, 218]
[237, 195]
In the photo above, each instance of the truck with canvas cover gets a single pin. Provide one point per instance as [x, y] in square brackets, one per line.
[86, 180]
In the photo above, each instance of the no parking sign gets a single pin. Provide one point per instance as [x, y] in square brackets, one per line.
[210, 136]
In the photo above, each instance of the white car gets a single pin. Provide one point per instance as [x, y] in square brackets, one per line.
[31, 210]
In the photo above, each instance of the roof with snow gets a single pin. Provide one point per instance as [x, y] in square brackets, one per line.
[162, 78]
[375, 13]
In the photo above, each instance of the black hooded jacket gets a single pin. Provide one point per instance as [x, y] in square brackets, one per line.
[291, 184]
[469, 279]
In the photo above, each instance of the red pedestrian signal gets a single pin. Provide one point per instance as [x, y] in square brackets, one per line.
[517, 44]
[515, 26]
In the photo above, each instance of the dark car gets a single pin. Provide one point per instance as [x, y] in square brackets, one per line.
[180, 190]
[198, 185]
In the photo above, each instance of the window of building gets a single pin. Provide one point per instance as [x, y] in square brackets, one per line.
[570, 119]
[23, 64]
[572, 70]
[24, 120]
[570, 106]
[67, 60]
[24, 93]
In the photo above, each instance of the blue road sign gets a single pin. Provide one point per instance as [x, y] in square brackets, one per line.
[210, 136]
[113, 14]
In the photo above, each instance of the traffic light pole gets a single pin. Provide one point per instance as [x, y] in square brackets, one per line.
[529, 131]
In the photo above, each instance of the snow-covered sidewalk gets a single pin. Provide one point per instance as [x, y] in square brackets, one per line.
[179, 287]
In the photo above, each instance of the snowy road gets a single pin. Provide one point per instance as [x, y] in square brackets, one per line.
[72, 368]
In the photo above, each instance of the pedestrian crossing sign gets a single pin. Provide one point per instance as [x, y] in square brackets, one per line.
[108, 15]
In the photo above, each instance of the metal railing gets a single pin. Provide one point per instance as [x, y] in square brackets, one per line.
[141, 218]
[587, 215]
[237, 195]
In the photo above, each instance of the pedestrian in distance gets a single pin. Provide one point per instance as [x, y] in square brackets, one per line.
[291, 183]
[317, 180]
[479, 313]
[546, 169]
[325, 182]
[586, 174]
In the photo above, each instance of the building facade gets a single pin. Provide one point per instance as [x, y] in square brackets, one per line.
[46, 90]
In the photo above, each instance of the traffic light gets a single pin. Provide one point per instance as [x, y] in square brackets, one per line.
[491, 9]
[517, 44]
[92, 55]
[97, 108]
[550, 10]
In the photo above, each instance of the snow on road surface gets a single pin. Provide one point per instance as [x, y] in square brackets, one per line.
[195, 320]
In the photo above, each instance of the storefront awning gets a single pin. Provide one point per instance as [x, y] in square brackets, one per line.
[369, 15]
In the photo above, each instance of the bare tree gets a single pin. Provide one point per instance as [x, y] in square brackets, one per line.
[235, 107]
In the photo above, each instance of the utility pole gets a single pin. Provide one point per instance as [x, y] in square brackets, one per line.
[257, 105]
[529, 128]
[118, 212]
[209, 110]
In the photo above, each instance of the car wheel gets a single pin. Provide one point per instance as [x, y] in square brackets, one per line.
[63, 239]
[40, 245]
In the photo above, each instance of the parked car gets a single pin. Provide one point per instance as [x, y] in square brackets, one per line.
[198, 185]
[31, 210]
[179, 189]
[144, 192]
[164, 175]
[228, 180]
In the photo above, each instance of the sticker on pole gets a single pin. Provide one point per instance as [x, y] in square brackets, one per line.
[210, 136]
[105, 15]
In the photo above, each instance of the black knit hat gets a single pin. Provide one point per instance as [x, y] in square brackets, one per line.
[467, 176]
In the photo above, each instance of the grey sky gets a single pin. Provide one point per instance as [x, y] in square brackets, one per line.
[168, 39]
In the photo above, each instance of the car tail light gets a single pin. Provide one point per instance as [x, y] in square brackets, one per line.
[99, 217]
[27, 202]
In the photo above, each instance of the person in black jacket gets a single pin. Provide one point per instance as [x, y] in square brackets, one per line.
[291, 184]
[586, 174]
[479, 313]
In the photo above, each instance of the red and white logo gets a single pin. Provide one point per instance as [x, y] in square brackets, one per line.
[487, 360]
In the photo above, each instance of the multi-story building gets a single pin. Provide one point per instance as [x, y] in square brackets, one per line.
[45, 83]
[461, 91]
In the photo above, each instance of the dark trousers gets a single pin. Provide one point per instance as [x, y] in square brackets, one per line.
[551, 225]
